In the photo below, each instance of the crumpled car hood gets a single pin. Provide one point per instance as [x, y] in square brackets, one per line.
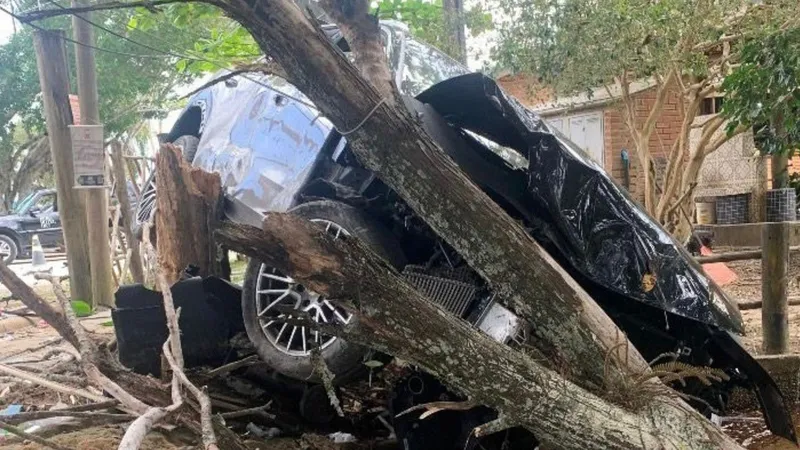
[581, 213]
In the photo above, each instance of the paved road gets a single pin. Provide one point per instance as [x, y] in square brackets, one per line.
[56, 262]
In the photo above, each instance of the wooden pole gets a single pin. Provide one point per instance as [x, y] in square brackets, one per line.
[118, 166]
[53, 76]
[774, 287]
[96, 199]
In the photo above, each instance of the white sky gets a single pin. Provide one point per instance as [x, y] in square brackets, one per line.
[6, 27]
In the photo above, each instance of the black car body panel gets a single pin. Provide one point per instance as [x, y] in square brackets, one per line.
[580, 212]
[36, 214]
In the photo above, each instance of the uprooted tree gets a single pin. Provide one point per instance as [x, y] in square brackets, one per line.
[571, 333]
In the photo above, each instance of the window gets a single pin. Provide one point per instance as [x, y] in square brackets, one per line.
[584, 130]
[45, 204]
[711, 105]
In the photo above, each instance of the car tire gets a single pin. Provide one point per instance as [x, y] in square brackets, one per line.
[9, 245]
[344, 359]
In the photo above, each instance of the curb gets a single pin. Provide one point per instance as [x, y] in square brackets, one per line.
[16, 323]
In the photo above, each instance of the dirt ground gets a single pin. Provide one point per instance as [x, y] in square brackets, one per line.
[747, 288]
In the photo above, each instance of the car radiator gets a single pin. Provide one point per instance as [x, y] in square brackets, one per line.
[448, 288]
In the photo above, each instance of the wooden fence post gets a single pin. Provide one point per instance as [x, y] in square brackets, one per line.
[774, 287]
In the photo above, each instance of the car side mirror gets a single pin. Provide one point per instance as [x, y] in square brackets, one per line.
[34, 211]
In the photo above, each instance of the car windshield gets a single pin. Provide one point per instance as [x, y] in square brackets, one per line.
[425, 66]
[23, 205]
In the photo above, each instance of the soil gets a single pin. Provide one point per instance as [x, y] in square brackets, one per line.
[99, 438]
[747, 288]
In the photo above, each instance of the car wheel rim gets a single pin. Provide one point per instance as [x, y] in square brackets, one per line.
[147, 203]
[278, 295]
[5, 249]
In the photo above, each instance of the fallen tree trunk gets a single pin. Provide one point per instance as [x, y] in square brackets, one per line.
[393, 317]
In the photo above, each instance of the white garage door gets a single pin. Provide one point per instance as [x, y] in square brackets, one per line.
[585, 130]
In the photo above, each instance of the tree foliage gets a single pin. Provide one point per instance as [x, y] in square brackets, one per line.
[764, 91]
[426, 21]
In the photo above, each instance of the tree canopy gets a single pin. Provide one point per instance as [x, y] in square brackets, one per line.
[763, 92]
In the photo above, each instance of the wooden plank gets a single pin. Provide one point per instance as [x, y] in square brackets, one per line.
[735, 256]
[118, 167]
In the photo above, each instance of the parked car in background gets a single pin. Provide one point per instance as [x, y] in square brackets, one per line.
[35, 214]
[276, 153]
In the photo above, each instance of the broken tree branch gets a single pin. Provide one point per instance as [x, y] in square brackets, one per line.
[36, 304]
[87, 350]
[58, 387]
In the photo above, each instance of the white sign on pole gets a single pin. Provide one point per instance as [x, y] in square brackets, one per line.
[88, 160]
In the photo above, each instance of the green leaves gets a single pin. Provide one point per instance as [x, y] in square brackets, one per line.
[764, 91]
[81, 308]
[425, 20]
[576, 45]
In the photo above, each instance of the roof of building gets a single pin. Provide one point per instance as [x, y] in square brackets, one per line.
[596, 97]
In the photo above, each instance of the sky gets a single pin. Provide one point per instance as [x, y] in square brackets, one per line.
[6, 27]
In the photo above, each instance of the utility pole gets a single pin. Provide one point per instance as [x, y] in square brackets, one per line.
[54, 79]
[96, 198]
[453, 11]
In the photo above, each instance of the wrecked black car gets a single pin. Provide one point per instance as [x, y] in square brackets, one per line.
[275, 152]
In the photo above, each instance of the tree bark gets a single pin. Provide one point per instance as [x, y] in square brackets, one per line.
[453, 11]
[570, 327]
[390, 315]
[21, 290]
[188, 206]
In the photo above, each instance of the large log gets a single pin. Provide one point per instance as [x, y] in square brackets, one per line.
[188, 206]
[390, 315]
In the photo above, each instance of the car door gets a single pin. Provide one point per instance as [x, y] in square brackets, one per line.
[43, 220]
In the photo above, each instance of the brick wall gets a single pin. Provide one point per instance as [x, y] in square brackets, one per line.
[616, 136]
[76, 109]
[526, 89]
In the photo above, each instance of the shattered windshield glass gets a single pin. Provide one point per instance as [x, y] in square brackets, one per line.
[425, 66]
